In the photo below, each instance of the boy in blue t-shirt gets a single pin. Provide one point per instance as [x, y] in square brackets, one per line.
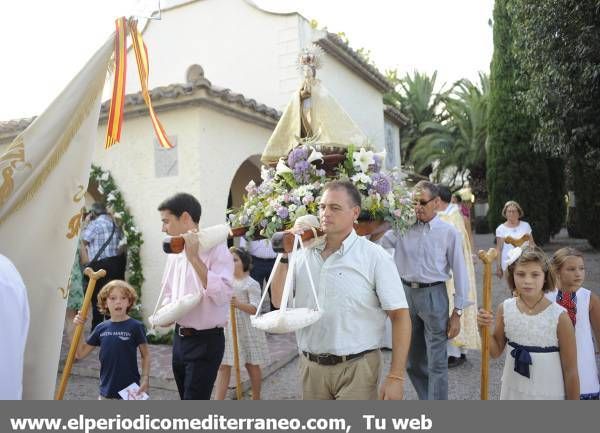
[118, 338]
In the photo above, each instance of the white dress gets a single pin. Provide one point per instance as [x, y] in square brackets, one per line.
[502, 231]
[540, 330]
[586, 356]
[252, 342]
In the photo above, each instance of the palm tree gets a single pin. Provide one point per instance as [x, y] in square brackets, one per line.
[415, 96]
[456, 146]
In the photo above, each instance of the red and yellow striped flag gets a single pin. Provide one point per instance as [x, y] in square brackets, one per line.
[141, 56]
[115, 114]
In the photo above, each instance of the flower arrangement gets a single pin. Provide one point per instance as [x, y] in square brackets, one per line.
[293, 188]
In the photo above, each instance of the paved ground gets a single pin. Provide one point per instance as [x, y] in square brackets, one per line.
[281, 381]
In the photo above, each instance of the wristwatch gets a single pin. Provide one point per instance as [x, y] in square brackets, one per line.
[458, 311]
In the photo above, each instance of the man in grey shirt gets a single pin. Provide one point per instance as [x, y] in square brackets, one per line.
[426, 256]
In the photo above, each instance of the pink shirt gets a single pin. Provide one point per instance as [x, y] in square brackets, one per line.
[180, 278]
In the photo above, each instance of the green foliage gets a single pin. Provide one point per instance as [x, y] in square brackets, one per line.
[458, 145]
[415, 96]
[515, 172]
[558, 44]
[154, 338]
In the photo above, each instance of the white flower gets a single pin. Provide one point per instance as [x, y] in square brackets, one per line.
[133, 229]
[104, 176]
[111, 197]
[315, 156]
[361, 177]
[382, 155]
[282, 168]
[512, 257]
[123, 241]
[118, 215]
[264, 172]
[292, 207]
[363, 159]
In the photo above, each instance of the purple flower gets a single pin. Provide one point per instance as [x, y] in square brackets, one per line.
[282, 213]
[378, 163]
[298, 154]
[381, 183]
[308, 199]
[301, 171]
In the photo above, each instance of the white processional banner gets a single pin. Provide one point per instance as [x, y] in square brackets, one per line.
[45, 174]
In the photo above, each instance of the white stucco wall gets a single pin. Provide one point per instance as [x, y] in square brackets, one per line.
[252, 52]
[240, 47]
[210, 145]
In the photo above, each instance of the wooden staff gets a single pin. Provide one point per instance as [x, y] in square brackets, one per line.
[517, 242]
[93, 278]
[236, 354]
[487, 259]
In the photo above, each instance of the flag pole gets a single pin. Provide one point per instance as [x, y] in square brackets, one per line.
[93, 278]
[487, 258]
[236, 354]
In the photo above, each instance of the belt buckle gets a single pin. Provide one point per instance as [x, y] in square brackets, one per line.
[179, 331]
[414, 285]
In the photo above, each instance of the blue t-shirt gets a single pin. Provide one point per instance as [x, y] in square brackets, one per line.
[118, 343]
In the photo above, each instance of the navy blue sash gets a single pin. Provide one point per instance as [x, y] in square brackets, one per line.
[522, 355]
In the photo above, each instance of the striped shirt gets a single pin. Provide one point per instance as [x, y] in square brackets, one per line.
[97, 233]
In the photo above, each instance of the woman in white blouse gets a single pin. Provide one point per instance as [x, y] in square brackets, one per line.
[513, 227]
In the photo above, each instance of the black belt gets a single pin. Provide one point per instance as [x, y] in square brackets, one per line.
[415, 285]
[329, 359]
[191, 332]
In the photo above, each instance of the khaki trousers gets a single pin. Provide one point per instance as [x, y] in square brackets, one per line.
[351, 380]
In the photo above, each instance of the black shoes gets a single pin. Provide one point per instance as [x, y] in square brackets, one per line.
[453, 361]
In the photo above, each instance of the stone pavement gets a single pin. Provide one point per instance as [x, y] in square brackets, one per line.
[282, 350]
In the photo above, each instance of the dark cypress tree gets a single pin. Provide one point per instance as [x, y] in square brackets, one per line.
[515, 171]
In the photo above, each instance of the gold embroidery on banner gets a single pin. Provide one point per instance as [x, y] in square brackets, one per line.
[75, 224]
[9, 162]
[60, 149]
[64, 293]
[79, 194]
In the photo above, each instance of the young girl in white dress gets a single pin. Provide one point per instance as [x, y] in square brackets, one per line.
[252, 343]
[541, 360]
[583, 308]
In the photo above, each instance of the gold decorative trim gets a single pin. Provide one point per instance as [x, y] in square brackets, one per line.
[75, 224]
[59, 150]
[14, 156]
[79, 194]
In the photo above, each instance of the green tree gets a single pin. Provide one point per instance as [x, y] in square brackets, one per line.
[458, 145]
[558, 44]
[515, 172]
[416, 97]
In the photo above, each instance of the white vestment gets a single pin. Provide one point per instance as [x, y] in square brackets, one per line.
[14, 323]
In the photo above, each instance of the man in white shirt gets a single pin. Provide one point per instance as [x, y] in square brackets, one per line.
[14, 323]
[357, 285]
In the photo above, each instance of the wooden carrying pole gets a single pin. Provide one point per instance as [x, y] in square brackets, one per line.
[236, 354]
[487, 258]
[93, 278]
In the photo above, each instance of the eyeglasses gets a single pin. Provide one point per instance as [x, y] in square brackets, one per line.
[422, 202]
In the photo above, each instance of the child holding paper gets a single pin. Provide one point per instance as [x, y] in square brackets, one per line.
[119, 339]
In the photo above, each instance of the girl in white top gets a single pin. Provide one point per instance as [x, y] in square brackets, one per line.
[252, 342]
[583, 308]
[513, 227]
[541, 362]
